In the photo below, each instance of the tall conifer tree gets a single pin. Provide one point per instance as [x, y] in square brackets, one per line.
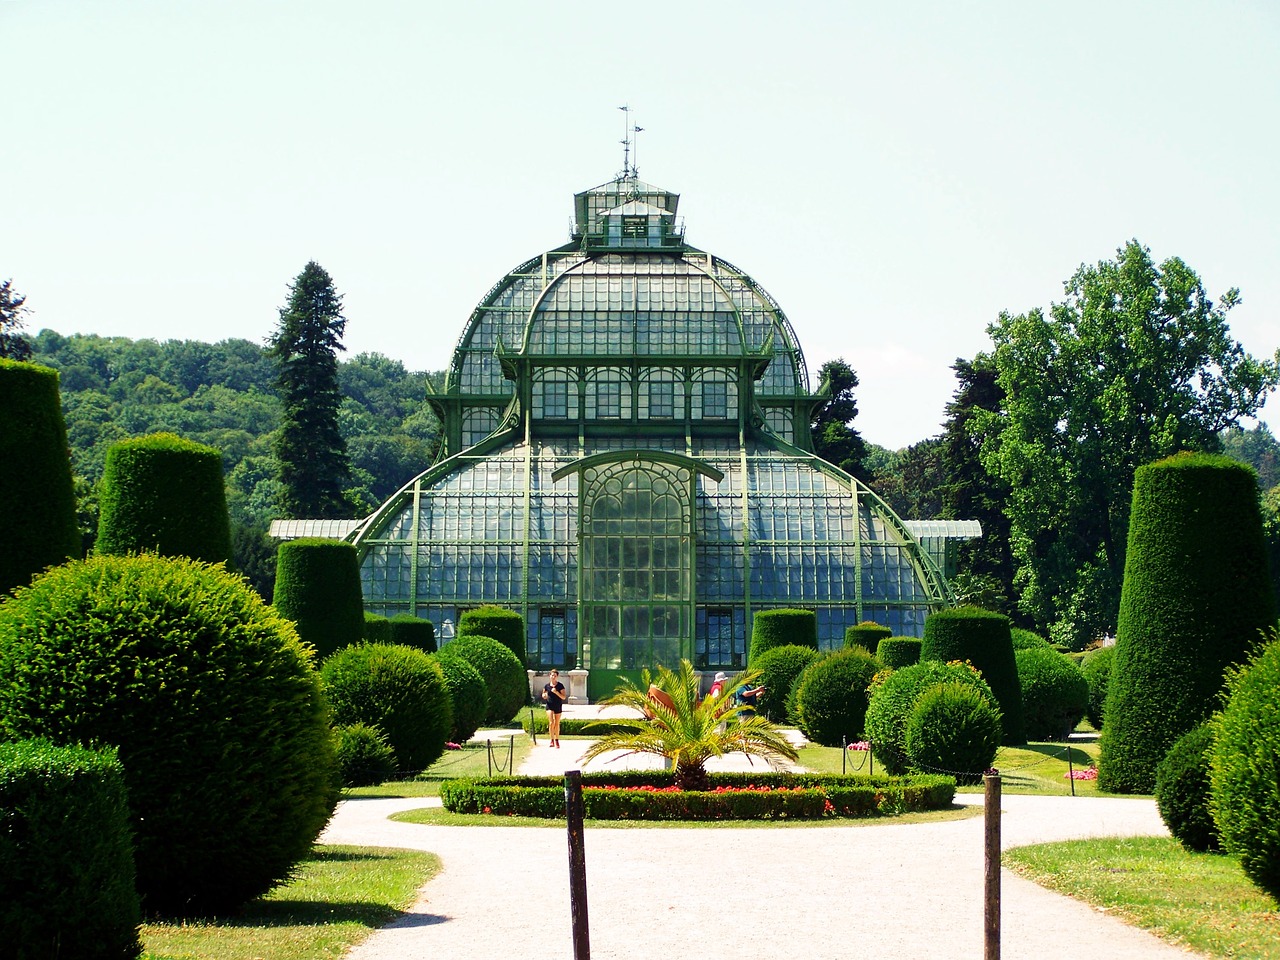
[314, 469]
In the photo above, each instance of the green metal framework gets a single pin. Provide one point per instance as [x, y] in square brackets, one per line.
[626, 461]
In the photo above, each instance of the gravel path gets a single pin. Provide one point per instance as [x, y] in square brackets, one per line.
[896, 892]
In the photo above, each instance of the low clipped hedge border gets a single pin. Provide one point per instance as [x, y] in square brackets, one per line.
[776, 796]
[572, 726]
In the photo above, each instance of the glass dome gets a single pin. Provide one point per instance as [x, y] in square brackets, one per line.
[626, 462]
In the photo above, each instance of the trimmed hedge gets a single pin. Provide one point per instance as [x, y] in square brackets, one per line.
[649, 795]
[1195, 595]
[66, 856]
[163, 494]
[211, 700]
[1027, 640]
[953, 729]
[318, 588]
[497, 623]
[898, 652]
[1182, 790]
[377, 628]
[397, 689]
[779, 669]
[983, 638]
[413, 632]
[778, 628]
[1055, 694]
[365, 759]
[831, 696]
[504, 678]
[865, 635]
[1097, 672]
[37, 496]
[468, 693]
[1244, 790]
[572, 726]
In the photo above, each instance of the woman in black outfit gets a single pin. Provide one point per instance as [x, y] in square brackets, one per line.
[553, 695]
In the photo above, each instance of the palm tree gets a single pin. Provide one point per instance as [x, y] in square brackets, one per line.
[689, 731]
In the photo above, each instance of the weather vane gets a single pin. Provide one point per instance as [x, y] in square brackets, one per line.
[630, 146]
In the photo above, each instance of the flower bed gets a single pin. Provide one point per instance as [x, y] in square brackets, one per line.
[649, 795]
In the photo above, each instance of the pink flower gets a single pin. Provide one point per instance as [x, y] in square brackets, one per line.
[1090, 774]
[453, 746]
[862, 745]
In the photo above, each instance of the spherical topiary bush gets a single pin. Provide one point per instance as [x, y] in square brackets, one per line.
[497, 623]
[776, 628]
[893, 699]
[397, 689]
[865, 635]
[953, 729]
[377, 628]
[468, 692]
[504, 677]
[1055, 693]
[413, 632]
[1097, 671]
[66, 856]
[1182, 790]
[898, 652]
[211, 701]
[831, 696]
[983, 638]
[779, 668]
[318, 588]
[1027, 640]
[365, 759]
[1244, 789]
[37, 497]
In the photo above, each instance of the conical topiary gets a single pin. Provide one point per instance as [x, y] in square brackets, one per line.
[983, 638]
[318, 588]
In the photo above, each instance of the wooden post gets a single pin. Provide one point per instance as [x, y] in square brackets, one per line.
[991, 911]
[577, 865]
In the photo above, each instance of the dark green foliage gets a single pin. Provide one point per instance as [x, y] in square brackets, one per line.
[1055, 694]
[1244, 789]
[37, 499]
[779, 668]
[13, 345]
[1027, 640]
[505, 626]
[831, 696]
[1182, 790]
[777, 628]
[163, 494]
[505, 678]
[898, 651]
[468, 694]
[894, 696]
[984, 639]
[377, 628]
[397, 689]
[211, 700]
[865, 635]
[318, 588]
[1196, 593]
[365, 759]
[834, 437]
[66, 857]
[253, 556]
[413, 632]
[1097, 672]
[953, 729]
[312, 454]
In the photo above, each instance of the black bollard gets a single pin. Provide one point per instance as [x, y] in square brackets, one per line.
[577, 865]
[991, 819]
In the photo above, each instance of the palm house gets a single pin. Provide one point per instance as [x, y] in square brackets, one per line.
[626, 462]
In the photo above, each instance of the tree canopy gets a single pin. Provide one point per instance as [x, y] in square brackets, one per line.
[834, 438]
[13, 345]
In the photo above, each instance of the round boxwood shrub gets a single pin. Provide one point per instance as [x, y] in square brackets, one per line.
[777, 628]
[37, 497]
[211, 700]
[164, 494]
[413, 632]
[865, 635]
[898, 652]
[1055, 693]
[1097, 671]
[468, 693]
[1244, 791]
[497, 623]
[1195, 594]
[377, 628]
[1027, 640]
[397, 689]
[953, 729]
[831, 696]
[66, 856]
[779, 668]
[504, 677]
[365, 759]
[318, 588]
[894, 696]
[983, 638]
[1182, 790]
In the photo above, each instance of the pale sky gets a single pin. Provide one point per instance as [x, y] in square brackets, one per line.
[894, 174]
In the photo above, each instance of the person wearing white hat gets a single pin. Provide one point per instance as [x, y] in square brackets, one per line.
[717, 684]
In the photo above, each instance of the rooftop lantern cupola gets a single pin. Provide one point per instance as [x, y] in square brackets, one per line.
[627, 214]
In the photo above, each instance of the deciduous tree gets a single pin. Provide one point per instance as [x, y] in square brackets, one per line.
[13, 345]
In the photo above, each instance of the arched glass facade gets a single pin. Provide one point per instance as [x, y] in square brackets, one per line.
[626, 462]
